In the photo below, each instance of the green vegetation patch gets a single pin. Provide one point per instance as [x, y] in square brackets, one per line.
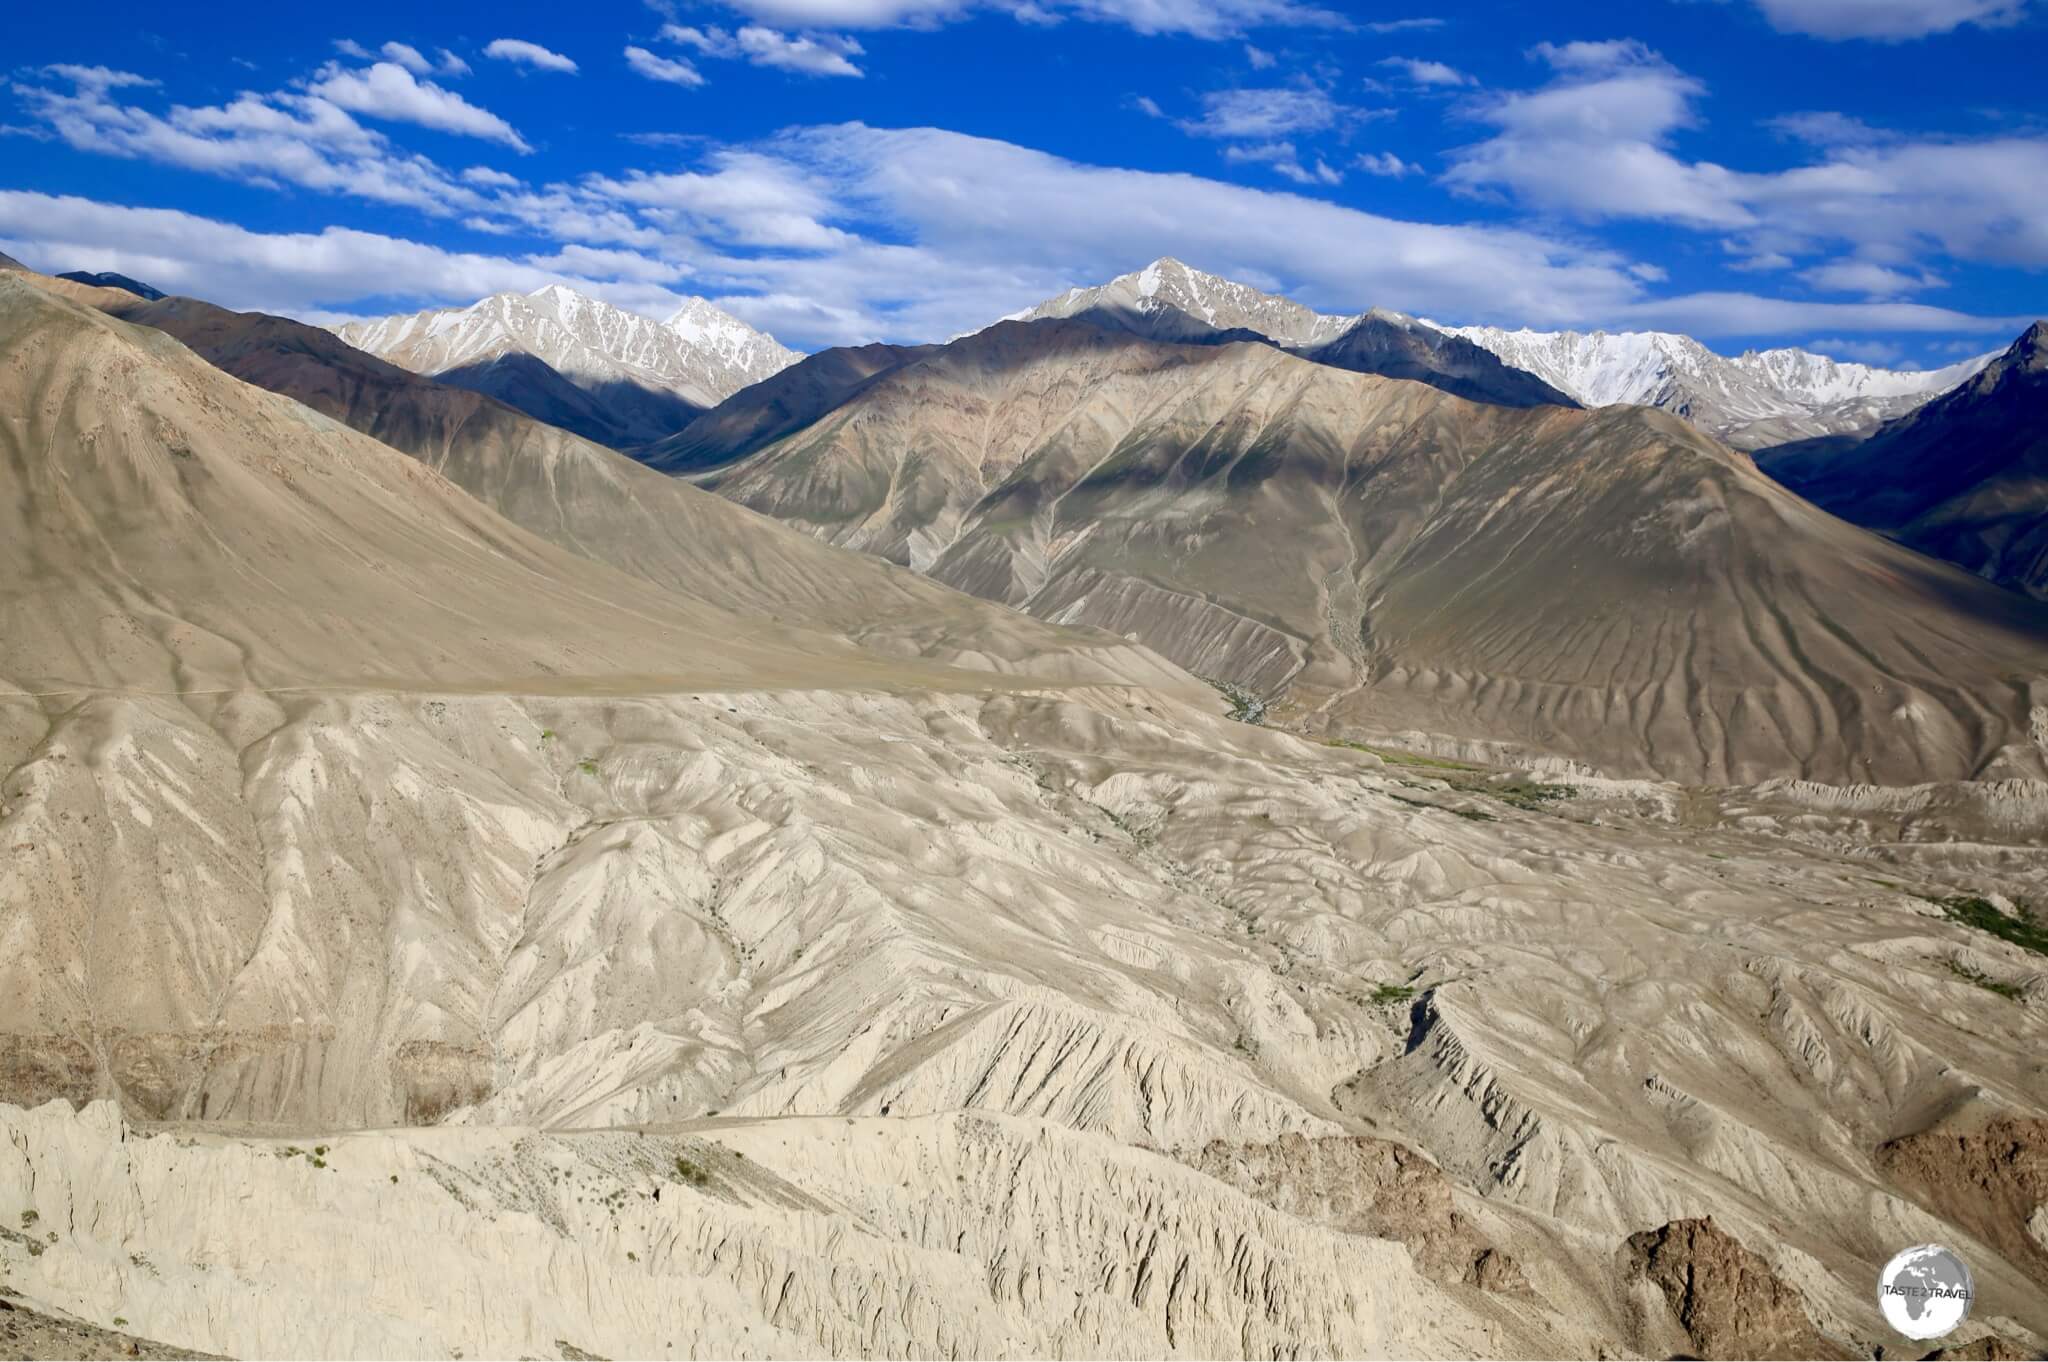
[1985, 981]
[2023, 928]
[1386, 995]
[692, 1172]
[1393, 756]
[1531, 794]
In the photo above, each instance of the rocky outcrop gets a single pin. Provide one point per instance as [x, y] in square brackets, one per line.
[1363, 1185]
[29, 1333]
[1727, 1299]
[1991, 1178]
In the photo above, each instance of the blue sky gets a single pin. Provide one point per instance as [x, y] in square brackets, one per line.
[1866, 177]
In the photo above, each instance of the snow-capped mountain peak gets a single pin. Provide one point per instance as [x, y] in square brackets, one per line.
[696, 359]
[1758, 398]
[1211, 299]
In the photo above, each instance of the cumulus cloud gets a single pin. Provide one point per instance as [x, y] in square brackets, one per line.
[389, 91]
[1887, 20]
[285, 137]
[523, 53]
[1598, 142]
[810, 54]
[661, 68]
[851, 233]
[230, 265]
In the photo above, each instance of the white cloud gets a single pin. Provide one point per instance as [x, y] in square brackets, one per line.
[452, 65]
[1594, 142]
[1385, 164]
[489, 178]
[1268, 113]
[389, 91]
[1888, 20]
[1260, 59]
[748, 199]
[409, 57]
[349, 47]
[1868, 278]
[810, 54]
[529, 54]
[1147, 106]
[1746, 314]
[1215, 19]
[1385, 26]
[653, 67]
[283, 137]
[989, 228]
[852, 13]
[1428, 72]
[238, 268]
[98, 79]
[822, 55]
[851, 233]
[1284, 160]
[1597, 143]
[1828, 128]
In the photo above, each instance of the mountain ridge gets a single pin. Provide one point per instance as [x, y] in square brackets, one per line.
[650, 378]
[1610, 585]
[1754, 400]
[1963, 478]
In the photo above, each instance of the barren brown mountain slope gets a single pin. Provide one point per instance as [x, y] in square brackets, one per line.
[170, 530]
[1964, 478]
[1610, 586]
[606, 507]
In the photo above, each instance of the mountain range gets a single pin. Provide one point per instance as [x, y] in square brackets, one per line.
[1168, 301]
[1608, 586]
[1964, 477]
[1750, 401]
[559, 911]
[606, 373]
[604, 506]
[864, 448]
